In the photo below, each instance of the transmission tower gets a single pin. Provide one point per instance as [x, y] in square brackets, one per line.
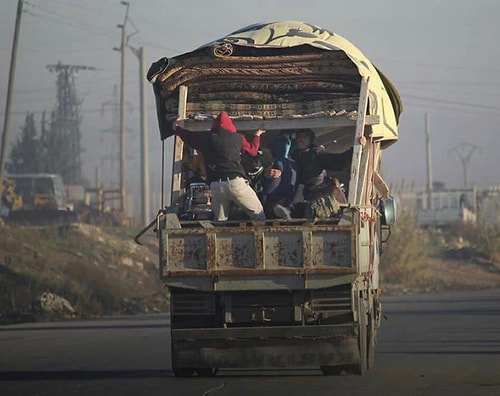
[69, 116]
[465, 151]
[110, 146]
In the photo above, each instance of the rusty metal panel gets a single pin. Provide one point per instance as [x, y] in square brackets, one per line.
[260, 281]
[283, 249]
[235, 250]
[332, 249]
[186, 251]
[256, 250]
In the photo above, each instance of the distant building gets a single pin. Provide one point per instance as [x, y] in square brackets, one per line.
[448, 207]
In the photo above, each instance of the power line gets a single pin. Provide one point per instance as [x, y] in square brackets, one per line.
[452, 91]
[452, 83]
[441, 66]
[451, 102]
[448, 108]
[77, 23]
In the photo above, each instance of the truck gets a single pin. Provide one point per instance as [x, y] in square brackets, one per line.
[274, 293]
[35, 199]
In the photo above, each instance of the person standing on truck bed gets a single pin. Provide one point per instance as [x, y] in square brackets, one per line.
[222, 148]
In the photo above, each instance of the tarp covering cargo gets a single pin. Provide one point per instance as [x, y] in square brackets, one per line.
[273, 70]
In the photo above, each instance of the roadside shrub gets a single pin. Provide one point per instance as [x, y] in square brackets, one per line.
[489, 242]
[406, 251]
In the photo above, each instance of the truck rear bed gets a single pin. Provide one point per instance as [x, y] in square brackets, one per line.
[256, 255]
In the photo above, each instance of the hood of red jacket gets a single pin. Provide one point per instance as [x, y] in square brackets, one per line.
[223, 122]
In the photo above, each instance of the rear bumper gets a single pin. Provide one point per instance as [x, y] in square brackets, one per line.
[301, 346]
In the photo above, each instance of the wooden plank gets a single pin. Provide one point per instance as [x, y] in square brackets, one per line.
[360, 129]
[363, 172]
[178, 149]
[381, 185]
[288, 123]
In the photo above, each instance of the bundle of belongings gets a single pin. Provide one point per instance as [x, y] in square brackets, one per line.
[198, 200]
[326, 202]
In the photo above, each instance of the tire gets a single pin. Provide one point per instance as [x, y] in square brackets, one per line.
[362, 366]
[371, 339]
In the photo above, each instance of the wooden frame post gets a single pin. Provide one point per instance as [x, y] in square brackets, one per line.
[178, 149]
[360, 129]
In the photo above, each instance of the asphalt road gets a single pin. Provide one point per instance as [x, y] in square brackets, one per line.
[444, 344]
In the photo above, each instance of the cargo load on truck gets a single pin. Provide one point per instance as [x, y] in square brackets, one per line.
[277, 292]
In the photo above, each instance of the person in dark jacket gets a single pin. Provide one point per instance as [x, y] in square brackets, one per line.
[255, 168]
[313, 163]
[321, 194]
[319, 190]
[222, 148]
[280, 191]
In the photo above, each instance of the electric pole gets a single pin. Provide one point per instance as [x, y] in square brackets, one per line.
[465, 151]
[429, 162]
[8, 103]
[124, 39]
[145, 197]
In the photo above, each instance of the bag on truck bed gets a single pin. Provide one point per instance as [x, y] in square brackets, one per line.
[325, 207]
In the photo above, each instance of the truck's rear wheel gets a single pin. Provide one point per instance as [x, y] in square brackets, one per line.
[362, 366]
[371, 339]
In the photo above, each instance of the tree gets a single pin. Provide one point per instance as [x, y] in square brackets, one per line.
[27, 154]
[55, 141]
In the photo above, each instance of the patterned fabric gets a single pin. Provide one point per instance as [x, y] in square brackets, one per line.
[306, 69]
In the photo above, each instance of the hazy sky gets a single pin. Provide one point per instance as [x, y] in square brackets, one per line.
[442, 55]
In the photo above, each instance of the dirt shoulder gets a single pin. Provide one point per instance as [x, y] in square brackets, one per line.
[460, 269]
[98, 271]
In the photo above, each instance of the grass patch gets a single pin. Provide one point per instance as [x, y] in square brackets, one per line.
[97, 272]
[406, 251]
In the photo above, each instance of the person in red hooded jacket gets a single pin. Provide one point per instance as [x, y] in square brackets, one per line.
[222, 148]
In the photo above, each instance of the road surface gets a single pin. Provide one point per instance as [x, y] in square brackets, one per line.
[443, 344]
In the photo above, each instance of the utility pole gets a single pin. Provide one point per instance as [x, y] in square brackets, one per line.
[429, 162]
[145, 197]
[123, 187]
[8, 103]
[465, 151]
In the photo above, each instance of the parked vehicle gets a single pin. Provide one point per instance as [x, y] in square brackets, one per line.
[277, 293]
[35, 199]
